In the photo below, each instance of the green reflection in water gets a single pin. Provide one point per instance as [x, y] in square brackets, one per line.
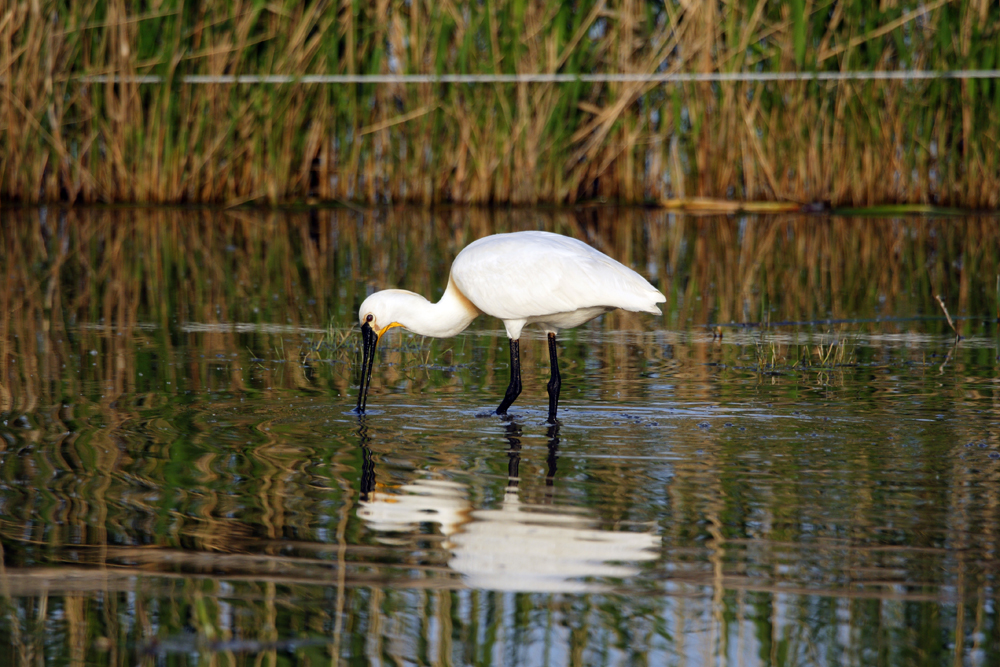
[181, 480]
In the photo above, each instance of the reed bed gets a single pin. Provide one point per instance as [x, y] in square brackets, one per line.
[848, 143]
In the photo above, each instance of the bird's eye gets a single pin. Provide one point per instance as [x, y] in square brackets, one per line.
[369, 318]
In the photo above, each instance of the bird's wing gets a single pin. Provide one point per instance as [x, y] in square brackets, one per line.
[530, 274]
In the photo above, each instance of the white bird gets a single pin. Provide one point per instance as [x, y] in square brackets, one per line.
[554, 281]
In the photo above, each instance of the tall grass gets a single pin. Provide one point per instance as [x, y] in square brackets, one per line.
[849, 143]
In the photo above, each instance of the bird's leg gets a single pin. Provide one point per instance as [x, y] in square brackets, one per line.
[514, 388]
[556, 382]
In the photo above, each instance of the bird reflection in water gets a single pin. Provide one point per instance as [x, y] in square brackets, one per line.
[367, 460]
[553, 435]
[518, 546]
[512, 432]
[421, 501]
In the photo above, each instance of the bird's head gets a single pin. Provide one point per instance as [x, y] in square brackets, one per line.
[377, 312]
[377, 315]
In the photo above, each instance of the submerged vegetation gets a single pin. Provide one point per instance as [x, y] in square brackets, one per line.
[849, 143]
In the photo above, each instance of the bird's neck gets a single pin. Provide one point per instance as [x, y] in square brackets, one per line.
[444, 319]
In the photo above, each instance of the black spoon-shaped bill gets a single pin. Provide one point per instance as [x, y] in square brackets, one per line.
[369, 340]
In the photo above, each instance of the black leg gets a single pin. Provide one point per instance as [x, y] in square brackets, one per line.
[556, 382]
[514, 388]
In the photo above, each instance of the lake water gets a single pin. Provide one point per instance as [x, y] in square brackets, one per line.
[183, 481]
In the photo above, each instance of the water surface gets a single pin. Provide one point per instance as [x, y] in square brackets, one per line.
[183, 481]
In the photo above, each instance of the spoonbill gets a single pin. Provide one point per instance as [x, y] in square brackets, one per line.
[554, 281]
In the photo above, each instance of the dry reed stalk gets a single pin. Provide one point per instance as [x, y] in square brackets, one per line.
[708, 205]
[944, 308]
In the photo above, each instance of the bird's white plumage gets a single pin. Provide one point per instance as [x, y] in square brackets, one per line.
[547, 279]
[522, 278]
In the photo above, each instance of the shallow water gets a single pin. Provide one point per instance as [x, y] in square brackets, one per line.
[182, 479]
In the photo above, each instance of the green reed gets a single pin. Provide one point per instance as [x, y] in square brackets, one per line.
[849, 143]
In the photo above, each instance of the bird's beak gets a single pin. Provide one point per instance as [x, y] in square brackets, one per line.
[369, 340]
